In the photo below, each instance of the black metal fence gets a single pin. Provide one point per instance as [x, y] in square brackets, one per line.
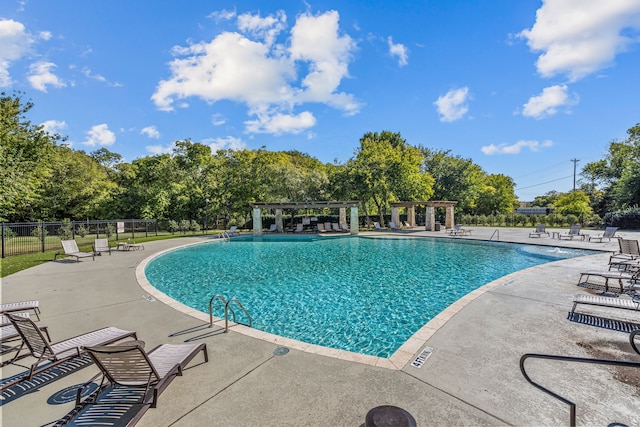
[20, 238]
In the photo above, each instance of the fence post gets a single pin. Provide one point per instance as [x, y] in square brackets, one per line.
[133, 229]
[42, 234]
[156, 228]
[3, 240]
[146, 229]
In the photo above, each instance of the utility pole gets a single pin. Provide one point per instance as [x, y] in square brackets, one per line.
[575, 161]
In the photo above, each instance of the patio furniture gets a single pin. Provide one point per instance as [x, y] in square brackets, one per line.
[58, 352]
[70, 248]
[457, 230]
[539, 231]
[609, 232]
[574, 231]
[101, 245]
[602, 301]
[12, 307]
[130, 366]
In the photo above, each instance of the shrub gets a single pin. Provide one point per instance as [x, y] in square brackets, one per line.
[184, 225]
[9, 233]
[40, 232]
[109, 230]
[65, 231]
[194, 226]
[627, 218]
[81, 230]
[172, 226]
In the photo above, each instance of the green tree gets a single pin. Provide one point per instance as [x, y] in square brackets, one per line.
[25, 153]
[497, 195]
[573, 203]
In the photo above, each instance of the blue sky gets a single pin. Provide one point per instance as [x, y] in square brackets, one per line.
[520, 87]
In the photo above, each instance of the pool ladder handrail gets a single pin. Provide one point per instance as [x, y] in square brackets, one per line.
[225, 236]
[227, 308]
[572, 405]
[497, 231]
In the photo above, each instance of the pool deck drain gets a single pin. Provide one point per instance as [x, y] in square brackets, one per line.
[471, 378]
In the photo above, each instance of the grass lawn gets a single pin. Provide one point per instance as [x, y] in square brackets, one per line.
[13, 264]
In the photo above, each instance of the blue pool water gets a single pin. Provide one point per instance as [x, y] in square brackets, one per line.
[366, 295]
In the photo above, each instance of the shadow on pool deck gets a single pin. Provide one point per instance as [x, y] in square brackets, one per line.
[471, 378]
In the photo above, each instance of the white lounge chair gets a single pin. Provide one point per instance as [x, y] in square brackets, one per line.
[299, 228]
[345, 227]
[101, 245]
[457, 230]
[59, 352]
[597, 300]
[321, 228]
[609, 232]
[70, 248]
[12, 307]
[233, 230]
[378, 226]
[272, 228]
[393, 226]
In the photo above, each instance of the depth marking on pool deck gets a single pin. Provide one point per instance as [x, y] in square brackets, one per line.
[422, 357]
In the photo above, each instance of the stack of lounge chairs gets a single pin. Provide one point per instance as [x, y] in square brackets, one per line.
[131, 378]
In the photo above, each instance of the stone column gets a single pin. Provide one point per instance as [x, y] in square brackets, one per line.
[343, 216]
[257, 221]
[395, 216]
[449, 220]
[354, 225]
[279, 226]
[411, 216]
[430, 219]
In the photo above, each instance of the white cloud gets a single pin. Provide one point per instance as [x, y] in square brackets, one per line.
[263, 28]
[579, 37]
[400, 51]
[45, 35]
[262, 74]
[279, 123]
[218, 119]
[54, 126]
[15, 42]
[40, 76]
[99, 136]
[159, 149]
[452, 106]
[151, 132]
[547, 103]
[222, 15]
[228, 143]
[515, 148]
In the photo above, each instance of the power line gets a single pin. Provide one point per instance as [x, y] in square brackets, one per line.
[543, 183]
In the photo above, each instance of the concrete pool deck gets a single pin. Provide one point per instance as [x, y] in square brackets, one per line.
[471, 378]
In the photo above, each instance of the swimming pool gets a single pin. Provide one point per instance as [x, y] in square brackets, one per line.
[365, 295]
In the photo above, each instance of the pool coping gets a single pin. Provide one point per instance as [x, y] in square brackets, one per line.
[397, 361]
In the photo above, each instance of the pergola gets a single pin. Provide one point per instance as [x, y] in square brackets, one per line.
[280, 206]
[430, 217]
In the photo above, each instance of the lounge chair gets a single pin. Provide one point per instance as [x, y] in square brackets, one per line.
[299, 228]
[70, 248]
[457, 230]
[620, 276]
[272, 228]
[12, 307]
[345, 227]
[321, 228]
[539, 231]
[574, 231]
[101, 245]
[327, 226]
[609, 232]
[129, 366]
[378, 226]
[393, 226]
[629, 251]
[407, 225]
[336, 227]
[233, 230]
[611, 302]
[61, 351]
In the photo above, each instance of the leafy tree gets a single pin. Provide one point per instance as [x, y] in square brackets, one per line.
[618, 174]
[497, 195]
[25, 153]
[456, 178]
[386, 169]
[547, 200]
[573, 203]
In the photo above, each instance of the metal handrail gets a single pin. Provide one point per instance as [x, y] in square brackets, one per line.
[572, 406]
[224, 235]
[224, 301]
[494, 233]
[632, 337]
[226, 316]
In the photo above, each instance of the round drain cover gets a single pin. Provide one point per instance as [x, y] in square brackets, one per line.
[281, 351]
[389, 416]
